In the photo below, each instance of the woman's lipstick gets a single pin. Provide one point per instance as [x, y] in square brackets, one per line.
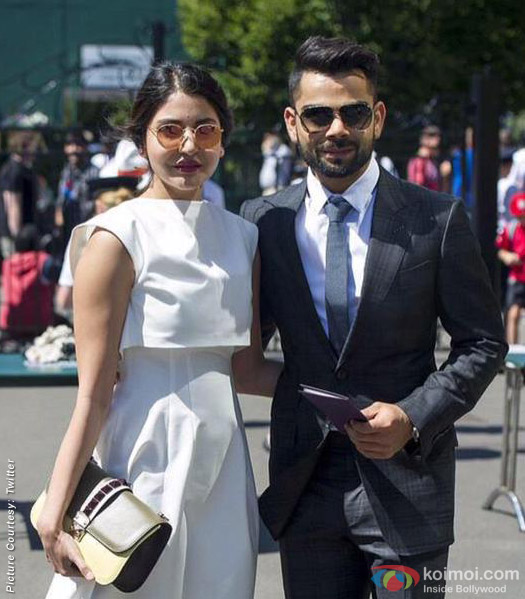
[188, 166]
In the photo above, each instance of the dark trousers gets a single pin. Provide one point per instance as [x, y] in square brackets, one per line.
[333, 547]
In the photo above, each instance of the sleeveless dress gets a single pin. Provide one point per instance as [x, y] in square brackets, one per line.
[174, 430]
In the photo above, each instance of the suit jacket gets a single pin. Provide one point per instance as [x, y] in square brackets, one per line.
[423, 262]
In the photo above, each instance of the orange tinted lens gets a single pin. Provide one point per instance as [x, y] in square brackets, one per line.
[170, 136]
[207, 135]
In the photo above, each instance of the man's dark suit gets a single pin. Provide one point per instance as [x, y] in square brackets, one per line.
[422, 263]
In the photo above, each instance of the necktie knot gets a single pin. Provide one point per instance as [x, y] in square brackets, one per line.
[337, 208]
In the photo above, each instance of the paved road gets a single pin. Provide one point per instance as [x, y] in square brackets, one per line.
[33, 421]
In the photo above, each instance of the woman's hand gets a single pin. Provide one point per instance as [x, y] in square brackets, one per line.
[63, 553]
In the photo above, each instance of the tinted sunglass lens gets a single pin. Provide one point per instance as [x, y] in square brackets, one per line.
[170, 135]
[320, 116]
[357, 116]
[207, 136]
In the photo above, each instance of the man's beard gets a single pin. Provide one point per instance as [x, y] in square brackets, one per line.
[341, 167]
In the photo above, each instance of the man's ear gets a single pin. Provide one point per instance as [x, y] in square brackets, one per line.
[221, 152]
[379, 118]
[290, 119]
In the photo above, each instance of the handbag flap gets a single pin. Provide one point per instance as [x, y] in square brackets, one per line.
[123, 523]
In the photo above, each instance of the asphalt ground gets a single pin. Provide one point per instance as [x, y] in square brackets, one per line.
[488, 543]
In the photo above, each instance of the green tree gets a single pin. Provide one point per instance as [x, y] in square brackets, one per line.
[250, 44]
[429, 48]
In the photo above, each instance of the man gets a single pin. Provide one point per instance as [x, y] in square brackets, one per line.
[423, 169]
[74, 205]
[356, 267]
[18, 189]
[277, 166]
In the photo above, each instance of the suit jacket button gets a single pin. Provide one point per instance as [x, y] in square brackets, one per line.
[341, 374]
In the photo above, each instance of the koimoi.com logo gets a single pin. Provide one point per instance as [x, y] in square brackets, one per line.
[394, 578]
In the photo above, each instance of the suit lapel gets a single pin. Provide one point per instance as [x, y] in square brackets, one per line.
[389, 240]
[291, 204]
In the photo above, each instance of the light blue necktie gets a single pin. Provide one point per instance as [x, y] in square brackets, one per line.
[337, 267]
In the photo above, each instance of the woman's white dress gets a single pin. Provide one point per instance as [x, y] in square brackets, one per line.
[174, 430]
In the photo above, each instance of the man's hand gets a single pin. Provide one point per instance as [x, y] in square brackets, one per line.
[387, 431]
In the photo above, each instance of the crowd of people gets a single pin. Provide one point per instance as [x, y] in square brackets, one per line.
[36, 223]
[35, 269]
[454, 174]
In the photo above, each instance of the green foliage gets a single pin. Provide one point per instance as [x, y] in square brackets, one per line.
[429, 48]
[250, 47]
[119, 114]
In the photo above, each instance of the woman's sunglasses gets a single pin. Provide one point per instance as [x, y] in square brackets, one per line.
[319, 118]
[170, 136]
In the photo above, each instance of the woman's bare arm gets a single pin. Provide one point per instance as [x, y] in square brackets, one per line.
[103, 282]
[252, 372]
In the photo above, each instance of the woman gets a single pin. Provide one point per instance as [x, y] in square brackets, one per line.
[164, 283]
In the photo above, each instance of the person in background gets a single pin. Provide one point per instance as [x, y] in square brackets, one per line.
[103, 153]
[506, 187]
[212, 192]
[387, 163]
[73, 203]
[517, 171]
[462, 163]
[423, 169]
[104, 200]
[126, 161]
[18, 188]
[506, 141]
[27, 303]
[511, 251]
[277, 166]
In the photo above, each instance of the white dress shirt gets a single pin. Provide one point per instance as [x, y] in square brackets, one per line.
[311, 229]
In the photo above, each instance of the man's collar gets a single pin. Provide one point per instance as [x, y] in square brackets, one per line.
[358, 194]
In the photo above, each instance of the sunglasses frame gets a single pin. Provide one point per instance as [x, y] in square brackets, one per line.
[336, 112]
[183, 135]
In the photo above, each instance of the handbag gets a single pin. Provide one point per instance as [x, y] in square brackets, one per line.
[119, 536]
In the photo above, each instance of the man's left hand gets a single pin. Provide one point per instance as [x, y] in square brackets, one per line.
[387, 431]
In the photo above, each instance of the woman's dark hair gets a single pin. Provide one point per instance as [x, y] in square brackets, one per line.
[332, 56]
[167, 78]
[27, 239]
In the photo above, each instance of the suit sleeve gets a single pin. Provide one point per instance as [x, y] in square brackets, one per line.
[249, 212]
[469, 312]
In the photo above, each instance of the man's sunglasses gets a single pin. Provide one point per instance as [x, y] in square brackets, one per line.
[319, 118]
[170, 136]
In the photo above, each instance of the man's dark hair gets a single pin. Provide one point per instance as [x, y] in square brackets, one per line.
[332, 56]
[27, 239]
[76, 138]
